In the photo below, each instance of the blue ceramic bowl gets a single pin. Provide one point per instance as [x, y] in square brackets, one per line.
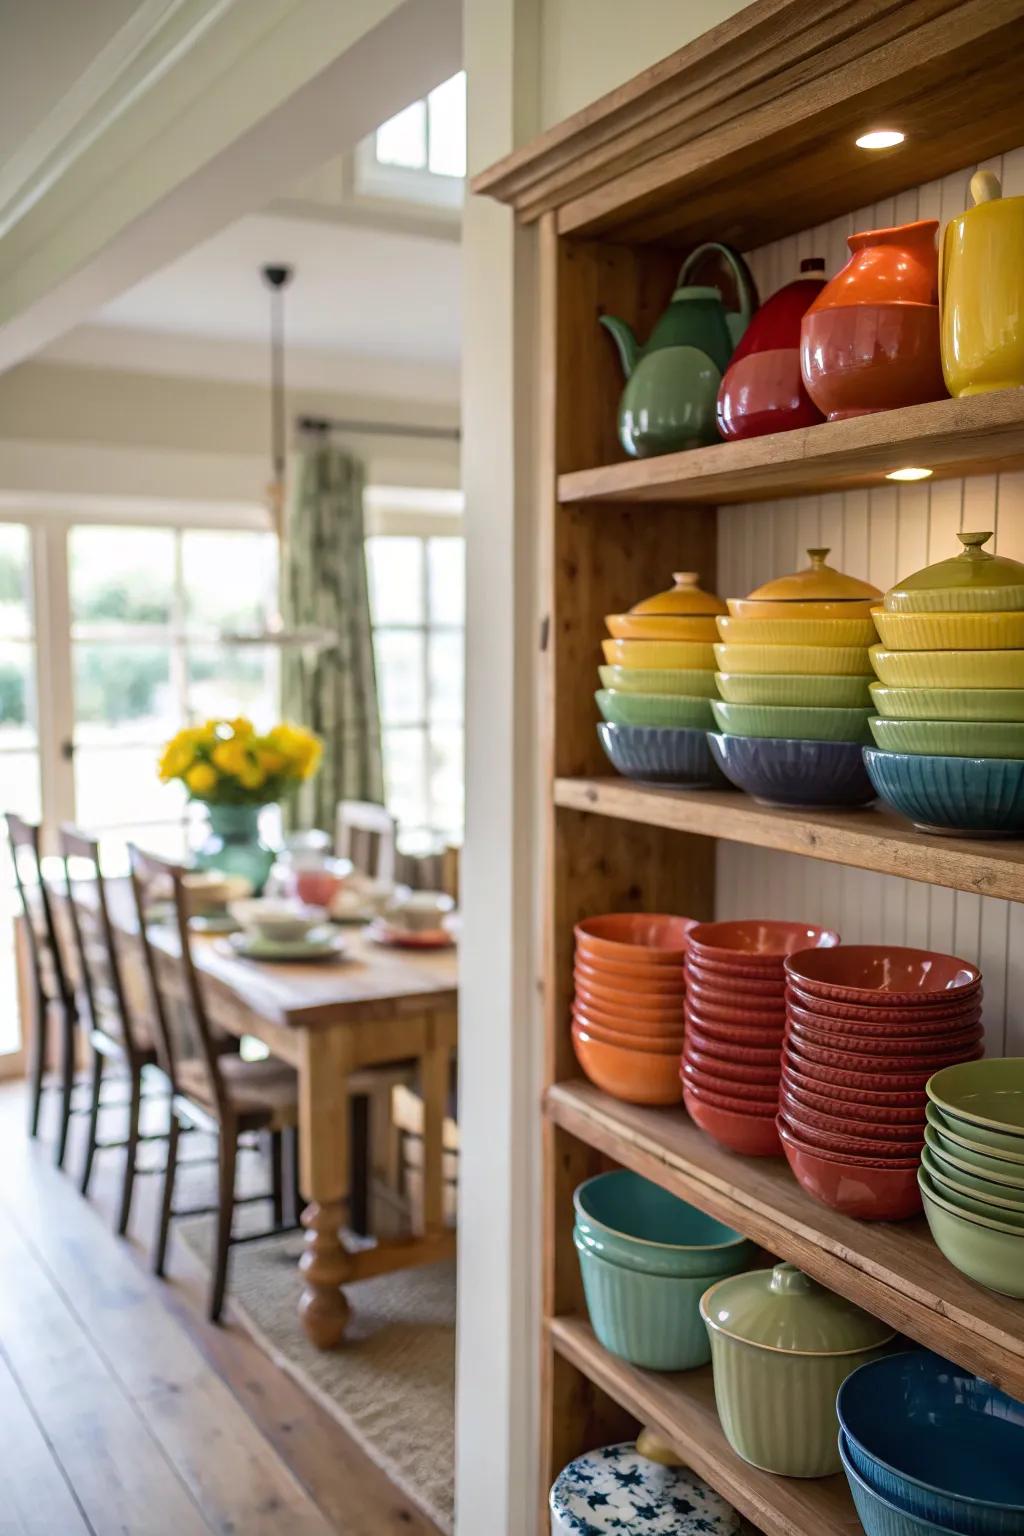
[877, 1515]
[777, 770]
[660, 754]
[970, 795]
[934, 1440]
[627, 1219]
[650, 1320]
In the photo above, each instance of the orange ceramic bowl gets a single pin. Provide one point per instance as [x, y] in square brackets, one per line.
[654, 981]
[664, 1045]
[753, 1095]
[750, 1135]
[728, 979]
[626, 1027]
[653, 1009]
[763, 1074]
[645, 938]
[638, 1077]
[727, 1050]
[756, 942]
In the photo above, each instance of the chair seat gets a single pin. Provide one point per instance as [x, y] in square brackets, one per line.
[264, 1095]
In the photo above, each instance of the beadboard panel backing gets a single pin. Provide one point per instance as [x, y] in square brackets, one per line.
[880, 535]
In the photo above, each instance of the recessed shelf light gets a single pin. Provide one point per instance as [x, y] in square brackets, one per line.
[881, 138]
[910, 473]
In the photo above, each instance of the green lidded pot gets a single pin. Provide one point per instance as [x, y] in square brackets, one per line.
[781, 1347]
[973, 581]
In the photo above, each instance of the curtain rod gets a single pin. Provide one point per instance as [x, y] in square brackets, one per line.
[325, 424]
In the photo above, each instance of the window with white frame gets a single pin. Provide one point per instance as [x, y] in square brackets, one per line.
[419, 155]
[417, 604]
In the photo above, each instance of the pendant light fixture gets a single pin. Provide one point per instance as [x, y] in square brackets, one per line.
[276, 277]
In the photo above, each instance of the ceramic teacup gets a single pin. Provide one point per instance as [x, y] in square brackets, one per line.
[418, 911]
[280, 921]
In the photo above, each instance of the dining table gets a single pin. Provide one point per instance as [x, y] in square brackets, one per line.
[374, 1005]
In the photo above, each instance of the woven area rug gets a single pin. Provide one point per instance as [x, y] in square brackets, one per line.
[392, 1385]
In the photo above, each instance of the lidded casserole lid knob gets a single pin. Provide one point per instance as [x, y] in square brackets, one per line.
[974, 581]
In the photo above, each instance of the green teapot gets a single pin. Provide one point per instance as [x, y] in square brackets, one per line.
[672, 382]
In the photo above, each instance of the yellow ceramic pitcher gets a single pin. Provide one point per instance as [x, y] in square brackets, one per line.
[981, 292]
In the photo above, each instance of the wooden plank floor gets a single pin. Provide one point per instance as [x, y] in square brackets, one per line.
[123, 1409]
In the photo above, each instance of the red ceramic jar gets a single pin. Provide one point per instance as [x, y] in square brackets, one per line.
[870, 340]
[762, 390]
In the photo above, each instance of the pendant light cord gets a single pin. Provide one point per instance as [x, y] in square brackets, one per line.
[277, 279]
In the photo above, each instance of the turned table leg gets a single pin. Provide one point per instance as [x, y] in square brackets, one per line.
[435, 1075]
[323, 1154]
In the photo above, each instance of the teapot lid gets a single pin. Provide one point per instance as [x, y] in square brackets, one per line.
[974, 580]
[784, 1309]
[685, 599]
[819, 581]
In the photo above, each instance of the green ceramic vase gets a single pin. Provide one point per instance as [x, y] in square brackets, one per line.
[234, 846]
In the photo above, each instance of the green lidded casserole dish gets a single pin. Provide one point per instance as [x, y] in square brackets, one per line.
[973, 581]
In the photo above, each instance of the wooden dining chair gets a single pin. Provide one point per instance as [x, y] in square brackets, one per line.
[52, 991]
[366, 833]
[116, 1034]
[223, 1095]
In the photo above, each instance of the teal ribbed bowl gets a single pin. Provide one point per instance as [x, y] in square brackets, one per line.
[671, 709]
[798, 724]
[650, 1320]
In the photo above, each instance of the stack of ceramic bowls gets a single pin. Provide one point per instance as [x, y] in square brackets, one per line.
[972, 1170]
[646, 1259]
[949, 731]
[866, 1026]
[657, 684]
[780, 1347]
[618, 1489]
[735, 1018]
[627, 1018]
[928, 1447]
[793, 675]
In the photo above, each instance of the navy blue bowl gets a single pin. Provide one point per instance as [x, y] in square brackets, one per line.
[877, 1515]
[661, 754]
[777, 770]
[936, 1441]
[970, 795]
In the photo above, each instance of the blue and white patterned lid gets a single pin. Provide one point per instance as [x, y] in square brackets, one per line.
[615, 1489]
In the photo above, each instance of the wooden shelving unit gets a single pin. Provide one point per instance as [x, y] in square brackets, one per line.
[743, 136]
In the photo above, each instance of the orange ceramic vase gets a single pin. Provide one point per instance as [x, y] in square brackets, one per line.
[870, 340]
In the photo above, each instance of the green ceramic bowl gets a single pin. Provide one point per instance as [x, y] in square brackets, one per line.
[793, 722]
[967, 1159]
[659, 680]
[989, 1252]
[946, 1175]
[804, 692]
[662, 709]
[650, 1320]
[948, 703]
[967, 1201]
[950, 738]
[977, 1137]
[987, 1093]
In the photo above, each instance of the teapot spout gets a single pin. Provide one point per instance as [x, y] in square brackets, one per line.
[626, 342]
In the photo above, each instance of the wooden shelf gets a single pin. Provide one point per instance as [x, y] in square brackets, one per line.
[865, 839]
[681, 1407]
[891, 1269]
[977, 436]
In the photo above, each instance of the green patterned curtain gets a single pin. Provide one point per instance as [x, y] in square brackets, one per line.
[323, 584]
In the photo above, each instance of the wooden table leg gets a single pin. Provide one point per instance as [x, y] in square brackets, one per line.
[323, 1156]
[435, 1076]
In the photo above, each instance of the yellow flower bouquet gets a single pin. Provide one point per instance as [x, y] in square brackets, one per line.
[226, 762]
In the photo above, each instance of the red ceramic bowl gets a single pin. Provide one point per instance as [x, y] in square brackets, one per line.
[856, 1146]
[884, 974]
[879, 1065]
[752, 941]
[638, 1077]
[701, 1039]
[662, 1011]
[653, 981]
[892, 1080]
[849, 1124]
[896, 1047]
[647, 937]
[730, 979]
[666, 1045]
[871, 1013]
[711, 1007]
[764, 1073]
[846, 1102]
[868, 1191]
[751, 1135]
[740, 1034]
[905, 1027]
[751, 1096]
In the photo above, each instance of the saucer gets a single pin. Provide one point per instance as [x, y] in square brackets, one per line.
[400, 938]
[319, 944]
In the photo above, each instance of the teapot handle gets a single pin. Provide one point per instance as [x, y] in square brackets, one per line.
[736, 322]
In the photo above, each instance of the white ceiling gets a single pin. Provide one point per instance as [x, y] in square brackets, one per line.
[358, 292]
[47, 45]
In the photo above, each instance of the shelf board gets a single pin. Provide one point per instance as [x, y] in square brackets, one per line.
[978, 436]
[681, 1407]
[893, 1270]
[865, 839]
